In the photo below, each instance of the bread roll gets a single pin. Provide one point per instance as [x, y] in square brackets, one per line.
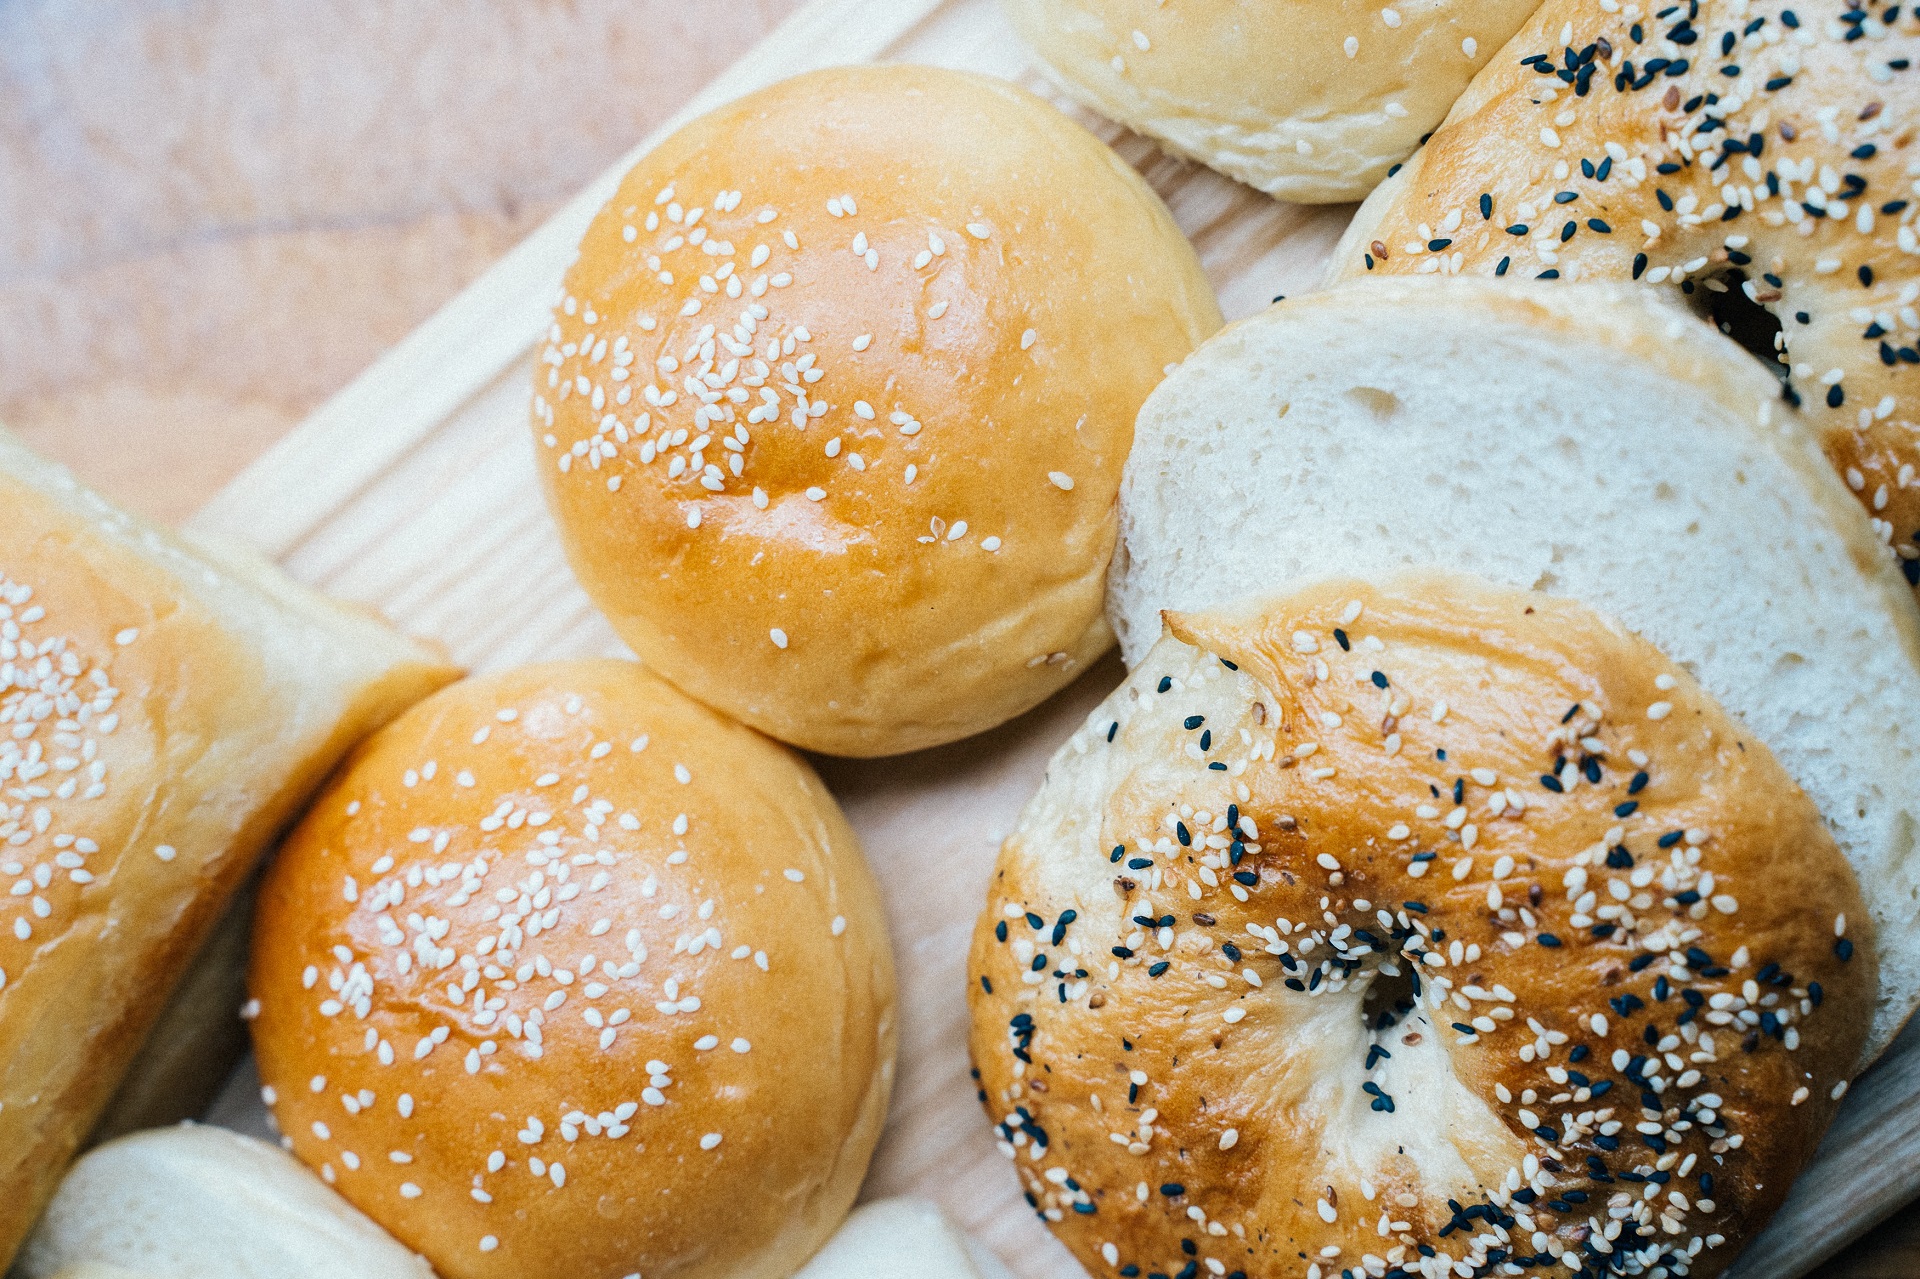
[192, 1202]
[894, 1239]
[567, 975]
[1306, 101]
[1415, 928]
[1775, 162]
[1586, 442]
[163, 712]
[835, 402]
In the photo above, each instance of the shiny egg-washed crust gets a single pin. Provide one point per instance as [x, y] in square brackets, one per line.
[165, 709]
[1308, 102]
[1192, 1010]
[834, 408]
[1808, 145]
[700, 1100]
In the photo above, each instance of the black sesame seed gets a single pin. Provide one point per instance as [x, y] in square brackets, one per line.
[1154, 970]
[1166, 682]
[1379, 680]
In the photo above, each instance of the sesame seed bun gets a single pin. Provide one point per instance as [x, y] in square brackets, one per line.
[165, 709]
[1408, 910]
[567, 975]
[1586, 441]
[1308, 102]
[922, 308]
[1795, 189]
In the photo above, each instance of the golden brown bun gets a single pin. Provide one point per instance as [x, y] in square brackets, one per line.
[1306, 101]
[1233, 1056]
[1840, 256]
[981, 297]
[455, 1053]
[178, 706]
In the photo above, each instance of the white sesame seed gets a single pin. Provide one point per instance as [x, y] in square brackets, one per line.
[709, 1141]
[778, 636]
[979, 230]
[165, 852]
[1061, 480]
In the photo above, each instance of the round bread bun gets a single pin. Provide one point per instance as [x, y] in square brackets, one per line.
[1585, 441]
[567, 975]
[1810, 135]
[1415, 928]
[1309, 102]
[196, 1202]
[834, 406]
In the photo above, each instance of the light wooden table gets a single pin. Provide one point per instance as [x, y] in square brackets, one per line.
[213, 213]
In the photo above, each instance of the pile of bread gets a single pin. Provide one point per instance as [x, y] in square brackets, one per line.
[1498, 860]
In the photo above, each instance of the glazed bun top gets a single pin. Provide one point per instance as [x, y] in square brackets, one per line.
[1306, 101]
[834, 406]
[567, 975]
[1393, 926]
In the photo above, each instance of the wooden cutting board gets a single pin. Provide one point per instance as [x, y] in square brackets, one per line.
[413, 491]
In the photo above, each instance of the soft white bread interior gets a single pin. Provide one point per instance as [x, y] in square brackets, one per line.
[195, 1202]
[898, 1239]
[164, 710]
[1307, 101]
[1580, 441]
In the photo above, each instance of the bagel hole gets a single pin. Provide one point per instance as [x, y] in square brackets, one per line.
[1747, 322]
[1390, 997]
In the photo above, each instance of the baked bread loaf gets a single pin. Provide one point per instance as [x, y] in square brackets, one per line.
[568, 975]
[1415, 928]
[164, 710]
[193, 1202]
[1309, 102]
[835, 402]
[1756, 146]
[1581, 441]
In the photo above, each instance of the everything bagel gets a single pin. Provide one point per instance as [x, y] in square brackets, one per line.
[1403, 929]
[1762, 146]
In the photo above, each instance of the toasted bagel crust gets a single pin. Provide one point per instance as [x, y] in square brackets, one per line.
[1790, 151]
[1557, 828]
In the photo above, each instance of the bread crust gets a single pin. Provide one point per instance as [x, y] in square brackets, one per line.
[568, 975]
[176, 707]
[1307, 102]
[1254, 1111]
[1802, 189]
[840, 458]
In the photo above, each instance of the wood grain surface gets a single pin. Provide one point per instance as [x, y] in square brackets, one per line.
[213, 214]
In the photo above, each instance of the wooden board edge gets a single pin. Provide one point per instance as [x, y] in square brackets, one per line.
[332, 455]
